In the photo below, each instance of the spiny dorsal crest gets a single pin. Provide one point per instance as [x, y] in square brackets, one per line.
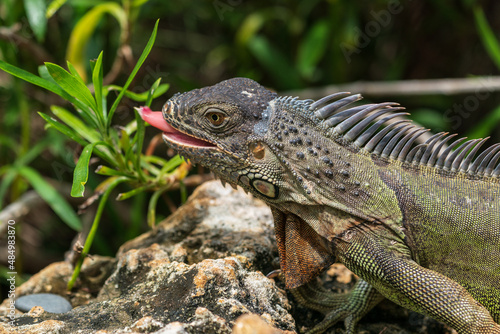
[369, 128]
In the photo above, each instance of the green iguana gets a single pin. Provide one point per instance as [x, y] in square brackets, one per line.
[419, 224]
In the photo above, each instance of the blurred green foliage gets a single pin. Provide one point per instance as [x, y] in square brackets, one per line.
[284, 45]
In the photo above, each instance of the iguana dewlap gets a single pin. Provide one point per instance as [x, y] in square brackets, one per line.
[420, 224]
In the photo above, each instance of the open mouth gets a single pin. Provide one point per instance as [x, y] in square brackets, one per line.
[170, 134]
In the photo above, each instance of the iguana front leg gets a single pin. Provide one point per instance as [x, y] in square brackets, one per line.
[350, 307]
[406, 283]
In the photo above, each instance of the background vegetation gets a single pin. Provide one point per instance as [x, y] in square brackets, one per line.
[285, 45]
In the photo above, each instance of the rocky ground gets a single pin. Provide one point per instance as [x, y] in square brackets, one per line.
[202, 270]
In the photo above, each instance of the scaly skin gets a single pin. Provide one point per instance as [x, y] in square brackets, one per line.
[421, 233]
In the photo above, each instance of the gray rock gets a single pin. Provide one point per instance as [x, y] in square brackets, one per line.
[48, 301]
[196, 272]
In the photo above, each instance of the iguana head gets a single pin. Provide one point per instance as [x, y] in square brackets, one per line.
[279, 148]
[222, 127]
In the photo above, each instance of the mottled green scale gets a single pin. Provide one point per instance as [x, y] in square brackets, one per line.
[453, 227]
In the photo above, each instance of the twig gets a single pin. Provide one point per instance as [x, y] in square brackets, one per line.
[10, 34]
[405, 87]
[192, 181]
[19, 209]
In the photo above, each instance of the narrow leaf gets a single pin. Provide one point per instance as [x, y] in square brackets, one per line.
[112, 183]
[152, 206]
[71, 84]
[487, 125]
[86, 26]
[74, 72]
[151, 92]
[488, 38]
[76, 124]
[139, 139]
[35, 12]
[139, 97]
[9, 175]
[141, 60]
[81, 173]
[105, 170]
[133, 192]
[36, 80]
[276, 63]
[312, 48]
[124, 140]
[97, 81]
[171, 164]
[51, 196]
[53, 7]
[63, 129]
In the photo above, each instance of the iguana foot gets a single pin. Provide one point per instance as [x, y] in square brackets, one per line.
[349, 307]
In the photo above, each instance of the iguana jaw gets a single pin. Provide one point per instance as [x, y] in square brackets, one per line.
[172, 135]
[180, 139]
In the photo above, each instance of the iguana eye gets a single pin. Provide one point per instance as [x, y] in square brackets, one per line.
[215, 117]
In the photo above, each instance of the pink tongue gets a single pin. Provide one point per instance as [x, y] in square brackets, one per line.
[155, 118]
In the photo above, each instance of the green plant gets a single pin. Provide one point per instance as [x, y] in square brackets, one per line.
[91, 127]
[492, 47]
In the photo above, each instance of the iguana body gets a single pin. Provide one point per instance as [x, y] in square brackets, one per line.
[419, 225]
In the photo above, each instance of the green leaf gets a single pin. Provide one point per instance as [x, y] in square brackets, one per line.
[138, 3]
[184, 192]
[112, 182]
[275, 62]
[249, 28]
[83, 130]
[9, 176]
[73, 85]
[133, 192]
[139, 97]
[35, 12]
[151, 92]
[84, 29]
[9, 142]
[105, 170]
[74, 72]
[487, 125]
[170, 165]
[63, 129]
[313, 48]
[76, 124]
[51, 196]
[38, 81]
[139, 138]
[53, 7]
[152, 206]
[124, 140]
[488, 38]
[34, 151]
[97, 81]
[141, 60]
[81, 173]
